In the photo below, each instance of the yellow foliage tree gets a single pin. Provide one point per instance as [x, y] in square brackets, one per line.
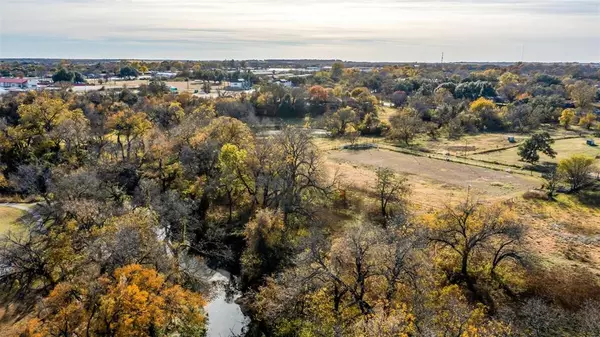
[131, 125]
[566, 117]
[588, 120]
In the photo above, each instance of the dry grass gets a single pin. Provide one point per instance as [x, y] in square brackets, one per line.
[8, 218]
[448, 176]
[564, 232]
[180, 85]
[385, 112]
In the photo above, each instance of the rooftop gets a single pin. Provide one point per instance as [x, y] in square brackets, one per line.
[13, 80]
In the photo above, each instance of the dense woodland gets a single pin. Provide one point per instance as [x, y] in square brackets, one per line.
[130, 182]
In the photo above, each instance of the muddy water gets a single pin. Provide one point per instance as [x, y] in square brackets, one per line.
[225, 317]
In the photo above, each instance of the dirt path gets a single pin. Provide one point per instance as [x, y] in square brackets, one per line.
[442, 175]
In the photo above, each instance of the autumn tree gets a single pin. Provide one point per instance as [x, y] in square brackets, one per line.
[318, 98]
[552, 180]
[267, 246]
[134, 301]
[509, 86]
[566, 117]
[404, 126]
[577, 171]
[487, 113]
[161, 161]
[475, 234]
[363, 100]
[587, 120]
[390, 189]
[582, 94]
[399, 98]
[337, 122]
[131, 126]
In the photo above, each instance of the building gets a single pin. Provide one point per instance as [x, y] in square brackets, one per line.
[17, 83]
[240, 84]
[285, 83]
[164, 74]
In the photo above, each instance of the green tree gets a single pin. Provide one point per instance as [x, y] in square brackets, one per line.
[337, 70]
[128, 72]
[338, 121]
[231, 159]
[63, 75]
[78, 77]
[528, 151]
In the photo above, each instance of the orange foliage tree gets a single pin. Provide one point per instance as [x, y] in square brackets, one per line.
[135, 301]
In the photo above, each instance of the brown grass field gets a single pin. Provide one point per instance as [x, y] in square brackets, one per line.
[434, 183]
[8, 218]
[565, 232]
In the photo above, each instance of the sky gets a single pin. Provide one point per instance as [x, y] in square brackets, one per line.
[376, 30]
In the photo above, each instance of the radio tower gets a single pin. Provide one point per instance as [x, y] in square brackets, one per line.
[442, 57]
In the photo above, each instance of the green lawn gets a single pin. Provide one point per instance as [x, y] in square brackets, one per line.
[8, 218]
[564, 149]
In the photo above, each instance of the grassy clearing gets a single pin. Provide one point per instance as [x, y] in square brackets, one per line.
[566, 231]
[475, 144]
[565, 148]
[8, 218]
[180, 85]
[385, 112]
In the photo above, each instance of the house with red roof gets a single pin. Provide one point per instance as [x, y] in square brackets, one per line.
[9, 82]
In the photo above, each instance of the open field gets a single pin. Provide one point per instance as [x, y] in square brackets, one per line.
[566, 232]
[8, 217]
[434, 175]
[474, 144]
[181, 86]
[564, 148]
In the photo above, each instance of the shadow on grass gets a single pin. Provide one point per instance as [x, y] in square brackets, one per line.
[544, 167]
[590, 197]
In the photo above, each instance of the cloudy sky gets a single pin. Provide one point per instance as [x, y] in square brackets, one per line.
[376, 30]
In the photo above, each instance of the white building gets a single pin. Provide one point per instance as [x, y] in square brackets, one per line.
[164, 74]
[285, 83]
[240, 84]
[17, 84]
